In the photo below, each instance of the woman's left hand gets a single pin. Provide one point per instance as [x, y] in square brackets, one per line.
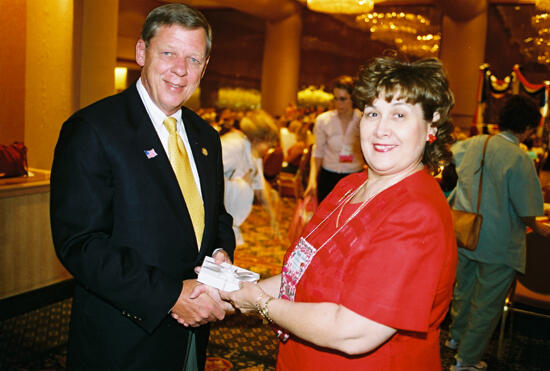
[245, 298]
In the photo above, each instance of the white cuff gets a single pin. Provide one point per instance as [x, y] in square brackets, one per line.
[219, 249]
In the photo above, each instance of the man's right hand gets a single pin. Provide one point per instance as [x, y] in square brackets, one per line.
[199, 310]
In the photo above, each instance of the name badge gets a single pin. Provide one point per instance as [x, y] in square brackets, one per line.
[346, 154]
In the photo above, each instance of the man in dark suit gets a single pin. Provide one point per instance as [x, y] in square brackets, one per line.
[122, 222]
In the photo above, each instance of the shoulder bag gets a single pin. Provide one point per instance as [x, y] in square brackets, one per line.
[467, 225]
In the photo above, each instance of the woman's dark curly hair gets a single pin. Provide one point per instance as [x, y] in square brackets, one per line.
[423, 81]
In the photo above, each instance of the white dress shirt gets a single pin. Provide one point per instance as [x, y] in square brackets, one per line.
[157, 117]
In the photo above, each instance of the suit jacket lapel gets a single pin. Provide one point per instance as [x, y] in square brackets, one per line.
[159, 166]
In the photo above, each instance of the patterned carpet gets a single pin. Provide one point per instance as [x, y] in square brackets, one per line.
[37, 340]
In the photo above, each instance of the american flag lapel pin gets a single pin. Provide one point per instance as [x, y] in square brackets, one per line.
[204, 151]
[150, 153]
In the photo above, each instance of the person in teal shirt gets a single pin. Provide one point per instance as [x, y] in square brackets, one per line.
[511, 199]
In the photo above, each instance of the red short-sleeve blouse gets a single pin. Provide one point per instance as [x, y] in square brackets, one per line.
[393, 263]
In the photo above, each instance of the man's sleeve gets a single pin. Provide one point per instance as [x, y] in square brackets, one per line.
[82, 221]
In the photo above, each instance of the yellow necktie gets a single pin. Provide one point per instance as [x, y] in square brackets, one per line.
[182, 168]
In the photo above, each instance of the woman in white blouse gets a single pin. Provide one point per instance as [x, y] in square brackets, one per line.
[337, 152]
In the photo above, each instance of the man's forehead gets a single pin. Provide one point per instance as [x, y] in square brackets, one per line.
[169, 34]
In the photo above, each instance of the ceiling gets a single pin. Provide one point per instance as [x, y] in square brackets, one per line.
[514, 14]
[239, 29]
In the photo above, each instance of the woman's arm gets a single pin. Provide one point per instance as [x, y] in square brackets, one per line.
[315, 167]
[537, 227]
[269, 199]
[324, 324]
[317, 153]
[271, 286]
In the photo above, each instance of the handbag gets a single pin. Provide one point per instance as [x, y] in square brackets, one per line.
[13, 160]
[467, 225]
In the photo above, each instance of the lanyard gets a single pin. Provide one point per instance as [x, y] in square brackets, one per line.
[303, 254]
[343, 200]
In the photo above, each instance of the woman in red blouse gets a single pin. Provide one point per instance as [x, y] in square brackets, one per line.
[369, 282]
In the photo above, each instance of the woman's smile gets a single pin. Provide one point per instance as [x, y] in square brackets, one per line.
[383, 147]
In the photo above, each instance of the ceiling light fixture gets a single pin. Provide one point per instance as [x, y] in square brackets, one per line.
[543, 4]
[410, 33]
[538, 47]
[341, 6]
[393, 21]
[541, 21]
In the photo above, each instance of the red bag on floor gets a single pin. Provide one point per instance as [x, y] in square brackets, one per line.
[305, 209]
[13, 160]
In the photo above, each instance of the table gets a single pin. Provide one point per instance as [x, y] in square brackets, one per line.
[27, 256]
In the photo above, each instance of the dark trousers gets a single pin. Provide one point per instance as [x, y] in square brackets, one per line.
[326, 181]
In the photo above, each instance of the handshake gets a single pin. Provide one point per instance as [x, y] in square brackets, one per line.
[201, 300]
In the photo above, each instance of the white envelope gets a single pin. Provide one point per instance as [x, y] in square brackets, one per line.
[225, 276]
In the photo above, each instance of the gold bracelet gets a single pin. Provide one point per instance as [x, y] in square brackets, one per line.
[263, 310]
[257, 305]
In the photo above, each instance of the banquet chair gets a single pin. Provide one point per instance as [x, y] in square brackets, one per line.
[542, 161]
[272, 163]
[546, 192]
[295, 181]
[530, 293]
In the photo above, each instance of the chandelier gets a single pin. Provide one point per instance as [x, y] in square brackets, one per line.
[538, 47]
[386, 27]
[341, 6]
[420, 46]
[543, 4]
[541, 22]
[410, 33]
[393, 20]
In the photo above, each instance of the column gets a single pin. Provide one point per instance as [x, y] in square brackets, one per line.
[464, 31]
[49, 89]
[281, 63]
[70, 60]
[12, 70]
[98, 50]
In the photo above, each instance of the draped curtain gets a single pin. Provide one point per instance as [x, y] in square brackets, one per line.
[492, 91]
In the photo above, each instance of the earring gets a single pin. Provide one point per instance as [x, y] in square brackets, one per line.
[431, 138]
